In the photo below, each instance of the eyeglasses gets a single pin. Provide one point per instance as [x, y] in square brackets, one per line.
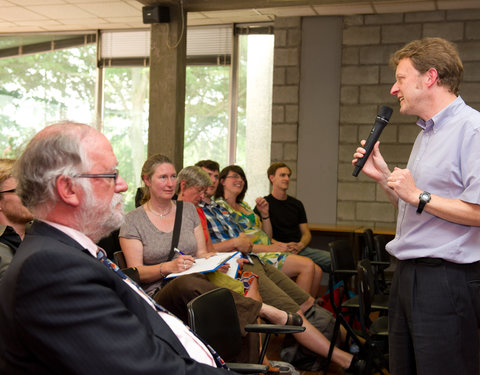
[235, 177]
[113, 175]
[8, 191]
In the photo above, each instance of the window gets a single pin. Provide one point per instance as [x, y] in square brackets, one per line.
[125, 122]
[44, 88]
[233, 127]
[253, 136]
[228, 94]
[206, 114]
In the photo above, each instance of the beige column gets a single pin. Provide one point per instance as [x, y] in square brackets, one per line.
[167, 87]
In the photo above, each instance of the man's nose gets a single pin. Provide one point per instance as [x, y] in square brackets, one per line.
[394, 89]
[121, 185]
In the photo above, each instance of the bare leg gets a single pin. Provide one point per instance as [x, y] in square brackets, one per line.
[314, 340]
[307, 304]
[302, 268]
[317, 278]
[273, 314]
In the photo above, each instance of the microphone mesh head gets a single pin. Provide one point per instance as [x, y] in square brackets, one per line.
[385, 112]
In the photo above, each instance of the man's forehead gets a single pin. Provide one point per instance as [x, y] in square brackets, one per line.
[100, 152]
[405, 65]
[283, 170]
[209, 171]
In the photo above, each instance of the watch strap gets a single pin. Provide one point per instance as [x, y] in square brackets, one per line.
[424, 198]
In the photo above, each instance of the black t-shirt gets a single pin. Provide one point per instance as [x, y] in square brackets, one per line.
[286, 217]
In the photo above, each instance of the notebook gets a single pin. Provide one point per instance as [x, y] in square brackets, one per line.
[205, 265]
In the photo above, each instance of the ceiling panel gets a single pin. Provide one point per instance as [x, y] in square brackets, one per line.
[23, 16]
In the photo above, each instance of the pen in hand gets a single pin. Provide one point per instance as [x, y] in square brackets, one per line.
[180, 252]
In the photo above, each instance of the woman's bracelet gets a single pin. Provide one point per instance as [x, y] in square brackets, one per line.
[266, 217]
[161, 273]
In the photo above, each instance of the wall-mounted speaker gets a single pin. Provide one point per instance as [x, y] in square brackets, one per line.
[156, 14]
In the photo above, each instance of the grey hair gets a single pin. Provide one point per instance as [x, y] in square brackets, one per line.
[193, 176]
[55, 151]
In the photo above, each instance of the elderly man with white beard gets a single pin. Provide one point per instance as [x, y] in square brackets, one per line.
[66, 309]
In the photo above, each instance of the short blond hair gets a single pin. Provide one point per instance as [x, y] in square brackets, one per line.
[6, 166]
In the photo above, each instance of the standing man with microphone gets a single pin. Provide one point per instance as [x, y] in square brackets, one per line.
[434, 308]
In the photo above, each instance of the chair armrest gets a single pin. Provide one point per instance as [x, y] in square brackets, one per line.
[247, 368]
[132, 273]
[273, 328]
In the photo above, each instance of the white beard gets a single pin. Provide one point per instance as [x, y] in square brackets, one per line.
[97, 219]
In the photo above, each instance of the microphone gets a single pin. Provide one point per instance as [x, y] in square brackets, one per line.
[380, 122]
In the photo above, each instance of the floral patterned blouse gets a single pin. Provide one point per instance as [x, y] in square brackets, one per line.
[250, 223]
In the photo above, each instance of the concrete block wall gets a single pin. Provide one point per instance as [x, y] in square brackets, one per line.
[368, 41]
[285, 101]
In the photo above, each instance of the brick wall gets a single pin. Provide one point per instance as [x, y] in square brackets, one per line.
[286, 82]
[368, 41]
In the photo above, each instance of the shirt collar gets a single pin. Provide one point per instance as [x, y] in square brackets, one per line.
[81, 238]
[437, 121]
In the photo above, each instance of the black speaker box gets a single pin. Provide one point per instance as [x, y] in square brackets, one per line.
[156, 14]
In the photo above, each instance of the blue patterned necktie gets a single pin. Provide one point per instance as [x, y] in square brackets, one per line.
[113, 267]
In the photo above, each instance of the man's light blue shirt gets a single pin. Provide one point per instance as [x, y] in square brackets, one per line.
[445, 161]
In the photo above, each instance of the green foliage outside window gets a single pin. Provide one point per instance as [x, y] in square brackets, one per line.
[37, 90]
[125, 122]
[206, 114]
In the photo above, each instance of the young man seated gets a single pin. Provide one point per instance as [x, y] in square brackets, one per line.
[275, 288]
[289, 219]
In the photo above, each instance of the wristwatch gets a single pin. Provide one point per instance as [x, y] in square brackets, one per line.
[424, 199]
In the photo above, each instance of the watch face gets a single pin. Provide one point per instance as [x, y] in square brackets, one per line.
[425, 196]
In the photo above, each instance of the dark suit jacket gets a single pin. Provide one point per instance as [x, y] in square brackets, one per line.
[63, 312]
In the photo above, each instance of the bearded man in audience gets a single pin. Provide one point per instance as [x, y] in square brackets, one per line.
[65, 308]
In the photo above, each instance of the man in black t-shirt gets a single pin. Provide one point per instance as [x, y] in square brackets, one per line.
[289, 219]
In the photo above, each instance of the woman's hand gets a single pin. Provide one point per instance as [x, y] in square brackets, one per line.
[181, 263]
[281, 247]
[224, 267]
[241, 262]
[242, 243]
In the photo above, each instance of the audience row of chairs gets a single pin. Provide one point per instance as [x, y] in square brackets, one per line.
[369, 280]
[213, 316]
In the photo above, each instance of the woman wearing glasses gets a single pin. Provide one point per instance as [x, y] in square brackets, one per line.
[146, 239]
[230, 193]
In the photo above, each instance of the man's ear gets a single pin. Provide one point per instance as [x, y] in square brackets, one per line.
[431, 77]
[68, 191]
[271, 177]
